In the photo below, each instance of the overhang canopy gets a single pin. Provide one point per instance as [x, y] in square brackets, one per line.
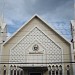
[42, 68]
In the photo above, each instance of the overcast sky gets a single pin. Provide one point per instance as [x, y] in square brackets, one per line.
[16, 12]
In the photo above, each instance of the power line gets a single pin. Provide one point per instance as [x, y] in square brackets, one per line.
[37, 43]
[38, 54]
[39, 63]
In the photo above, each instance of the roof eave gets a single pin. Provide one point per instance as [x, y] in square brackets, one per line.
[41, 20]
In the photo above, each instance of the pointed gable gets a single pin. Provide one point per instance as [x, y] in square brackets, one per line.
[40, 33]
[26, 47]
[33, 19]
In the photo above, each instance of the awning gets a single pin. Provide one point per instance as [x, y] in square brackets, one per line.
[35, 68]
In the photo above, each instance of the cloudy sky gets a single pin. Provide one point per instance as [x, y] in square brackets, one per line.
[57, 12]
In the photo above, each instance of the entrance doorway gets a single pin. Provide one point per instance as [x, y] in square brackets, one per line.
[35, 73]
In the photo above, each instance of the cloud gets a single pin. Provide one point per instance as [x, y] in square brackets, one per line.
[22, 9]
[61, 14]
[8, 35]
[34, 1]
[19, 11]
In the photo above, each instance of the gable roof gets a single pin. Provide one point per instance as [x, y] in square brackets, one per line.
[42, 21]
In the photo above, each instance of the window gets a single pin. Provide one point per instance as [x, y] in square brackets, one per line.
[68, 70]
[53, 70]
[50, 72]
[4, 70]
[53, 73]
[49, 68]
[17, 72]
[56, 70]
[11, 70]
[21, 72]
[60, 70]
[14, 70]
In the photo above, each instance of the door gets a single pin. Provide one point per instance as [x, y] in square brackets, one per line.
[35, 73]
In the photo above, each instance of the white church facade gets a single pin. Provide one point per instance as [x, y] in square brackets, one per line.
[36, 49]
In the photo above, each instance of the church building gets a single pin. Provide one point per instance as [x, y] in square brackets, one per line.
[36, 48]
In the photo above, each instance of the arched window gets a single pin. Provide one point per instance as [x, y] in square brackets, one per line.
[60, 70]
[4, 70]
[53, 70]
[14, 70]
[49, 68]
[57, 70]
[11, 70]
[68, 70]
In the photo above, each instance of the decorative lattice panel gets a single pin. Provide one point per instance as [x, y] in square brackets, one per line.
[19, 53]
